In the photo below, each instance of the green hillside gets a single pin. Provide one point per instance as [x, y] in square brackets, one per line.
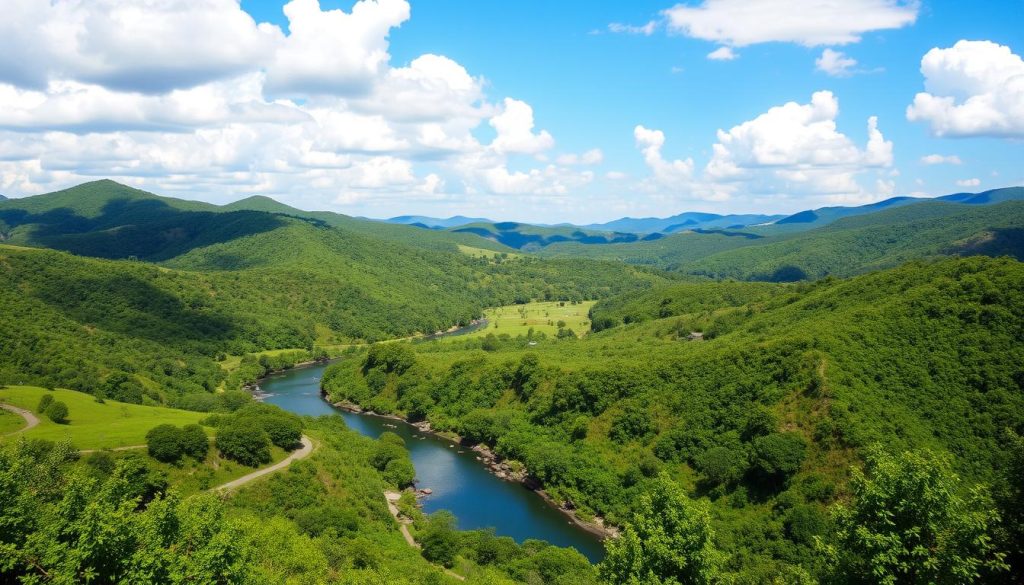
[880, 240]
[923, 356]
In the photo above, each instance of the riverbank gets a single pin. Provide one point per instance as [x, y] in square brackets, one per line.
[495, 465]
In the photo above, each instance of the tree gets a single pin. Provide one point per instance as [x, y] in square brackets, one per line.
[908, 523]
[400, 472]
[668, 541]
[778, 455]
[722, 465]
[44, 401]
[244, 443]
[194, 442]
[165, 443]
[440, 539]
[284, 431]
[57, 411]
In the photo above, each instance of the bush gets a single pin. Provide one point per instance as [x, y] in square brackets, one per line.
[58, 412]
[779, 455]
[385, 453]
[722, 465]
[246, 444]
[285, 432]
[440, 539]
[165, 443]
[400, 472]
[194, 442]
[44, 401]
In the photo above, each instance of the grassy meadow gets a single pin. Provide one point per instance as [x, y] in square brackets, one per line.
[542, 317]
[92, 425]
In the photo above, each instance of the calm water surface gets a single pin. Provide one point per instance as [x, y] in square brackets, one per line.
[461, 484]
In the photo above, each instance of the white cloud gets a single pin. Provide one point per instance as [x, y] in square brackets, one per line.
[674, 173]
[938, 159]
[333, 51]
[796, 149]
[646, 29]
[974, 88]
[723, 54]
[968, 183]
[514, 126]
[740, 23]
[149, 47]
[835, 63]
[593, 156]
[615, 175]
[345, 127]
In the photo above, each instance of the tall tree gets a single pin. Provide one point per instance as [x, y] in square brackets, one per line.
[908, 523]
[668, 541]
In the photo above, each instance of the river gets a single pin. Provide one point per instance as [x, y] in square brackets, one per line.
[460, 483]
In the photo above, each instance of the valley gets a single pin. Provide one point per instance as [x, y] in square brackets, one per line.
[743, 379]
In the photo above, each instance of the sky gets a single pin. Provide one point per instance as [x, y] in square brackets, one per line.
[531, 110]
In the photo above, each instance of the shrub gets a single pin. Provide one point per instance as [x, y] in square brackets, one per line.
[44, 401]
[246, 444]
[392, 438]
[194, 442]
[440, 539]
[285, 432]
[385, 453]
[58, 412]
[722, 465]
[779, 455]
[165, 443]
[400, 472]
[632, 424]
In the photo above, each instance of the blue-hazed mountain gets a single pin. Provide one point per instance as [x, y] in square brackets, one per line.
[435, 222]
[682, 221]
[813, 218]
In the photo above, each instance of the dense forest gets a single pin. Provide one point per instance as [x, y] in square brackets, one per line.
[749, 405]
[763, 415]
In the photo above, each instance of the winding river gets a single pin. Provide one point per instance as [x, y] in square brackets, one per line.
[460, 483]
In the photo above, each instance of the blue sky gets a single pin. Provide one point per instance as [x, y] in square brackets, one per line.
[536, 111]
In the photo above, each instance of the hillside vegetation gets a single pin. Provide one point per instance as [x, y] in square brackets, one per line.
[764, 416]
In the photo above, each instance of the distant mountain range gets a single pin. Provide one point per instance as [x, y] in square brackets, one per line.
[2, 198]
[434, 222]
[628, 229]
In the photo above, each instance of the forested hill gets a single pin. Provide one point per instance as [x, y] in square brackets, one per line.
[848, 246]
[789, 386]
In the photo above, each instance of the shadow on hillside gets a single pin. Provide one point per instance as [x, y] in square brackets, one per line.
[995, 242]
[131, 306]
[146, 229]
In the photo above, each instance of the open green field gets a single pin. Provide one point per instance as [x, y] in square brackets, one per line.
[10, 422]
[542, 317]
[92, 425]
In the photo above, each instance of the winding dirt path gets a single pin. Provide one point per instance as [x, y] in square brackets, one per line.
[307, 448]
[403, 526]
[30, 418]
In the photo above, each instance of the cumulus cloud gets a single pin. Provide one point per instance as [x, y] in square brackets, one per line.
[723, 54]
[938, 159]
[974, 88]
[797, 149]
[835, 63]
[593, 156]
[672, 174]
[740, 23]
[968, 183]
[227, 107]
[514, 126]
[334, 51]
[151, 47]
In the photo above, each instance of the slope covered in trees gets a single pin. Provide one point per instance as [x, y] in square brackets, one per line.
[848, 246]
[763, 417]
